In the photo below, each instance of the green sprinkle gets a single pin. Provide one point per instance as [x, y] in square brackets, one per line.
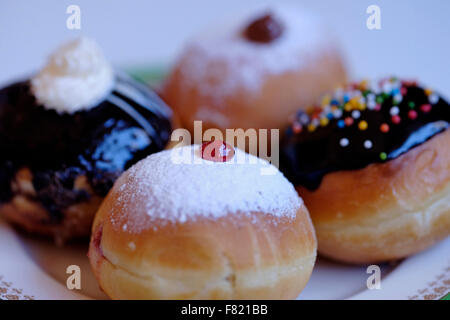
[411, 104]
[383, 156]
[380, 99]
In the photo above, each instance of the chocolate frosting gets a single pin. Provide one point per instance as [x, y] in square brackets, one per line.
[131, 123]
[361, 127]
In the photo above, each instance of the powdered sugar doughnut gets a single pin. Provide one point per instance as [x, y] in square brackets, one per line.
[179, 226]
[255, 71]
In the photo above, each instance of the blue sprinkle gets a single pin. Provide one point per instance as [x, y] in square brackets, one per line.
[341, 123]
[334, 102]
[395, 91]
[346, 98]
[330, 116]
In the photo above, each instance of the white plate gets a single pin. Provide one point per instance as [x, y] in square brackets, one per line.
[33, 268]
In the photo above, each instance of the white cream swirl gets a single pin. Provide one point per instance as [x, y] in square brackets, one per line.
[77, 77]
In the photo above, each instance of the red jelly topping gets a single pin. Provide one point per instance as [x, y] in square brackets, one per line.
[264, 29]
[217, 151]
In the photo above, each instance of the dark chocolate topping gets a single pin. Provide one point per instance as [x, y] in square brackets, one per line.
[264, 29]
[131, 123]
[361, 127]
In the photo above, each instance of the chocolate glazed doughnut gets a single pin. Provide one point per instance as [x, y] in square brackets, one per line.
[55, 168]
[373, 167]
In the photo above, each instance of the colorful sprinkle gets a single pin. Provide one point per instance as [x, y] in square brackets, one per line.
[433, 98]
[341, 124]
[334, 102]
[425, 108]
[324, 122]
[403, 91]
[398, 98]
[326, 100]
[394, 111]
[396, 119]
[387, 87]
[356, 114]
[411, 104]
[371, 105]
[344, 142]
[384, 128]
[371, 97]
[311, 127]
[337, 113]
[315, 122]
[428, 91]
[348, 121]
[380, 99]
[383, 156]
[412, 114]
[297, 127]
[362, 125]
[368, 144]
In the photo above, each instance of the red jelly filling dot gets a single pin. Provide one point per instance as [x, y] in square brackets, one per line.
[265, 29]
[217, 151]
[97, 239]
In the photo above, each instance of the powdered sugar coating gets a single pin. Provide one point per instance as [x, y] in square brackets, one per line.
[222, 60]
[178, 186]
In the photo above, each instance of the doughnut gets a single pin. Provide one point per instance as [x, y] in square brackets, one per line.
[254, 72]
[202, 222]
[372, 164]
[64, 140]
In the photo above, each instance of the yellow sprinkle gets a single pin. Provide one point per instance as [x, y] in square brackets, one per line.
[354, 102]
[311, 127]
[347, 107]
[362, 125]
[324, 122]
[326, 100]
[310, 109]
[362, 106]
[428, 91]
[363, 84]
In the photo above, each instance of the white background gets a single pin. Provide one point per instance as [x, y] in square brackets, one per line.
[414, 41]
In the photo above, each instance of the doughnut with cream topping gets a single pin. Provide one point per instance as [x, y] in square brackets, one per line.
[67, 134]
